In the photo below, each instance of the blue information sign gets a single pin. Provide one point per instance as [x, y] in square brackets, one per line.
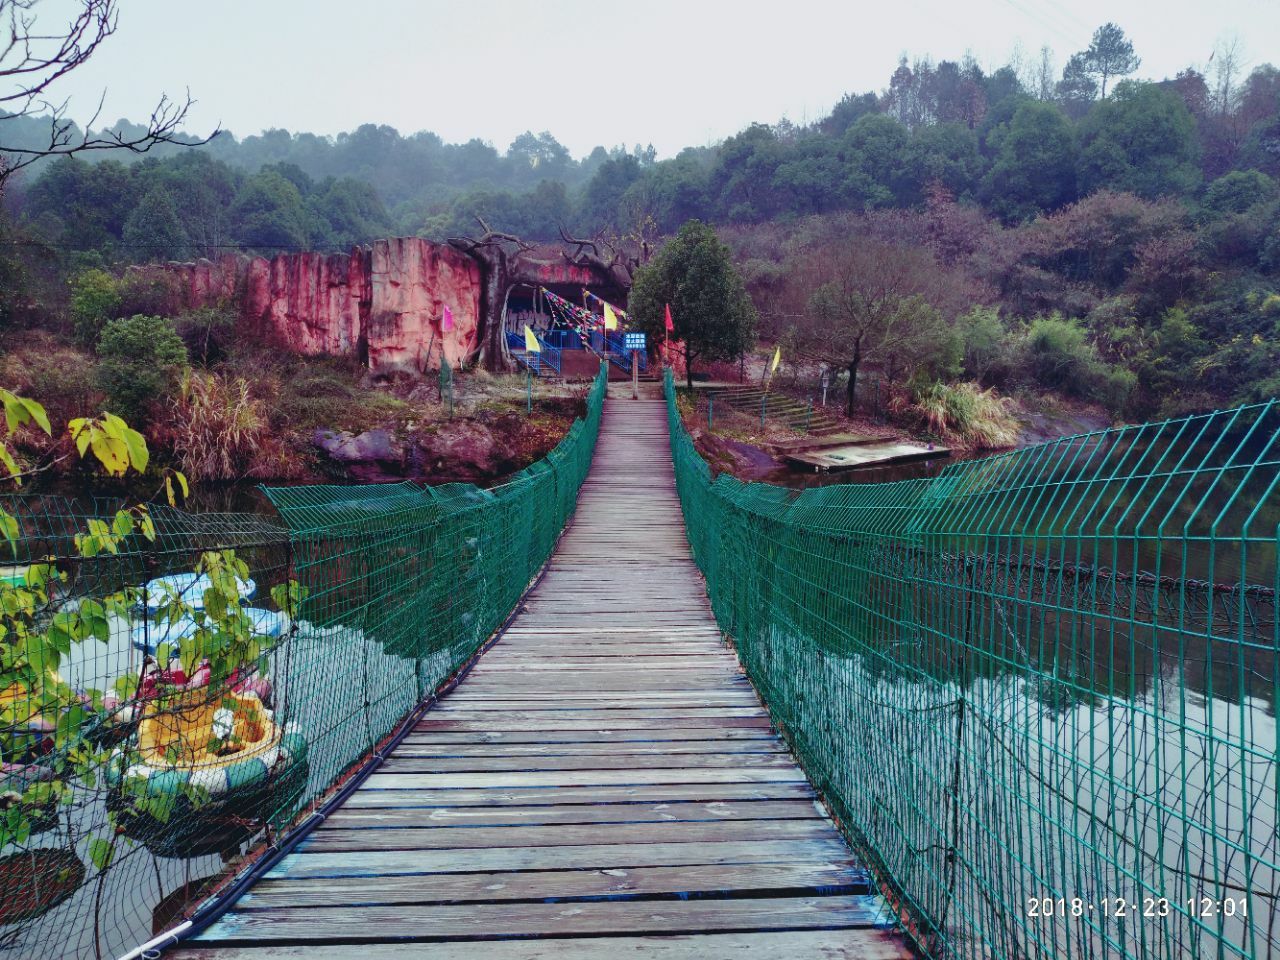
[633, 341]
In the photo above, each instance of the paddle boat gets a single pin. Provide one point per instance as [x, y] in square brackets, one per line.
[205, 770]
[187, 587]
[14, 575]
[148, 634]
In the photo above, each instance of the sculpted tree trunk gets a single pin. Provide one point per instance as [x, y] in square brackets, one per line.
[507, 261]
[492, 251]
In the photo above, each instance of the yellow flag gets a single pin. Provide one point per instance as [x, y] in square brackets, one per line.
[777, 358]
[530, 341]
[610, 318]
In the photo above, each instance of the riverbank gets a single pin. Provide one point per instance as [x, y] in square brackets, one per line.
[266, 416]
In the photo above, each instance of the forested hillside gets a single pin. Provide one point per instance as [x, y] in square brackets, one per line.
[1074, 229]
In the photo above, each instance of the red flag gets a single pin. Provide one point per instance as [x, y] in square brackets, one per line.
[447, 324]
[670, 324]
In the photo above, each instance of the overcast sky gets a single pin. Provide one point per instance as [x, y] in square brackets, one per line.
[667, 72]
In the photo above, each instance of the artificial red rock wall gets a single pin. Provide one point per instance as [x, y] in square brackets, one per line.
[387, 300]
[411, 281]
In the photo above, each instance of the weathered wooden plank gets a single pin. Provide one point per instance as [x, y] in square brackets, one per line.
[480, 724]
[399, 790]
[791, 945]
[411, 760]
[412, 815]
[640, 699]
[394, 769]
[621, 711]
[653, 735]
[439, 837]
[489, 921]
[416, 745]
[752, 879]
[609, 856]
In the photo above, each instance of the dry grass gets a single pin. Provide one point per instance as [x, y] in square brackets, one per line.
[980, 418]
[220, 431]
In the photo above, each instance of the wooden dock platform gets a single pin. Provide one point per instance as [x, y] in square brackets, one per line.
[603, 784]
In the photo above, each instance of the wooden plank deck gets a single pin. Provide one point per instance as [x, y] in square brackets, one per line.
[603, 784]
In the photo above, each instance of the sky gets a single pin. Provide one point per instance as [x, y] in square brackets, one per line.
[672, 73]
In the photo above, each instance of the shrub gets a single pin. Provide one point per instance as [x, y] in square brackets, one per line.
[1060, 357]
[151, 291]
[207, 332]
[986, 345]
[141, 360]
[58, 375]
[1237, 191]
[95, 300]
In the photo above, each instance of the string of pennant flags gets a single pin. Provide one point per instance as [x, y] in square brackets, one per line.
[584, 322]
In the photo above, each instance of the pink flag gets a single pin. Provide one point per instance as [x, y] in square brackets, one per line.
[670, 324]
[447, 324]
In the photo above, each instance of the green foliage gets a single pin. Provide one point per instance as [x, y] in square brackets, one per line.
[1034, 168]
[13, 277]
[709, 304]
[602, 196]
[985, 345]
[1109, 55]
[95, 298]
[155, 231]
[1060, 357]
[1141, 140]
[141, 360]
[270, 214]
[873, 150]
[1238, 191]
[207, 332]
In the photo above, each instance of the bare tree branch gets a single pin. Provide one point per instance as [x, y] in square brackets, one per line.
[32, 61]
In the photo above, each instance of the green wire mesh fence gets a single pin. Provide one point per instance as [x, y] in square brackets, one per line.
[401, 583]
[170, 706]
[1038, 689]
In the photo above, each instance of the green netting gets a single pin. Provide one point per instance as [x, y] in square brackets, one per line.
[1039, 689]
[107, 834]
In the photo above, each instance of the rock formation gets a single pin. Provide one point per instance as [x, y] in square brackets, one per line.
[384, 302]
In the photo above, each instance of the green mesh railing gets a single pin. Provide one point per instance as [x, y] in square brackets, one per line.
[107, 840]
[1039, 689]
[402, 583]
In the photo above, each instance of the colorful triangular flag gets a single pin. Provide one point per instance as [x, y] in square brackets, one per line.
[530, 341]
[777, 358]
[610, 318]
[447, 323]
[671, 325]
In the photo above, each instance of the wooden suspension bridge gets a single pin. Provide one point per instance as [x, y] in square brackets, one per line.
[604, 783]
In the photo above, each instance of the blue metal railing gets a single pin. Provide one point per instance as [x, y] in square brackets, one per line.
[549, 356]
[563, 339]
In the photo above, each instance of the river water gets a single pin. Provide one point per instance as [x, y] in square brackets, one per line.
[1078, 758]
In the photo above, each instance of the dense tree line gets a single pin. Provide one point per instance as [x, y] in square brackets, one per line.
[1015, 142]
[1112, 229]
